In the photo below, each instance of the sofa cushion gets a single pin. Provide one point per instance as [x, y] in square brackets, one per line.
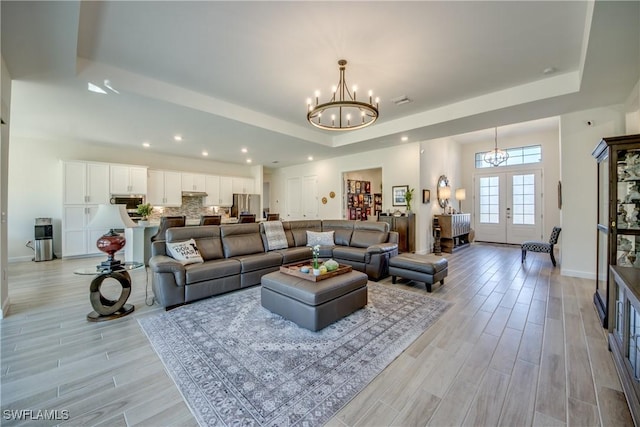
[291, 255]
[322, 238]
[349, 253]
[212, 270]
[207, 239]
[366, 238]
[254, 262]
[241, 239]
[274, 234]
[184, 252]
[343, 229]
[297, 230]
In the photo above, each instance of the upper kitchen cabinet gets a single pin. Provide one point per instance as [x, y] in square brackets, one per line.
[193, 182]
[243, 185]
[219, 191]
[86, 183]
[164, 188]
[128, 179]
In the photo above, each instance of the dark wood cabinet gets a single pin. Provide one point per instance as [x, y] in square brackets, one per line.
[405, 226]
[617, 294]
[618, 217]
[454, 231]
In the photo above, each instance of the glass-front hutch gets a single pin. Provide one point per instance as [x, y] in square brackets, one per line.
[617, 295]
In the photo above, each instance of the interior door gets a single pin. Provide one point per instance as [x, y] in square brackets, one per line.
[508, 206]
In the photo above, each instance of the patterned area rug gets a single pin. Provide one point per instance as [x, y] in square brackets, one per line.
[237, 363]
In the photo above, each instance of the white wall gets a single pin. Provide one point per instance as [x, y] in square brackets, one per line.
[549, 140]
[632, 108]
[5, 113]
[400, 166]
[579, 181]
[35, 181]
[437, 157]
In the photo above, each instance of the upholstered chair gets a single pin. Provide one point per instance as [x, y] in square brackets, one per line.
[542, 247]
[167, 222]
[210, 219]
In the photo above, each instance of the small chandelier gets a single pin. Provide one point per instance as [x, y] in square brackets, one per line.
[345, 112]
[496, 156]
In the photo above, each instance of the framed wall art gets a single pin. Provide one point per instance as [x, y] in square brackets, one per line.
[398, 195]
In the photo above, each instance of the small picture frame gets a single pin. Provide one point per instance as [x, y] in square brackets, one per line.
[398, 195]
[426, 196]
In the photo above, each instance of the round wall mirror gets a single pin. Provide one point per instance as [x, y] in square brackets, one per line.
[444, 191]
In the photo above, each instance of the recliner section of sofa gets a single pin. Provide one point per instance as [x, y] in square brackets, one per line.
[234, 255]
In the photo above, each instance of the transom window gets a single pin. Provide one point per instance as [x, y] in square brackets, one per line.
[517, 156]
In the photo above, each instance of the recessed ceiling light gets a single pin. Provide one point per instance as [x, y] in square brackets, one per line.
[146, 145]
[248, 160]
[178, 138]
[244, 150]
[404, 138]
[549, 70]
[95, 88]
[205, 153]
[310, 158]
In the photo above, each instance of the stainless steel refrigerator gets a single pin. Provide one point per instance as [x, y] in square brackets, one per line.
[246, 203]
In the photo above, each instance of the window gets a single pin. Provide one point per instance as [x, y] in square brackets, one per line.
[517, 156]
[524, 199]
[489, 200]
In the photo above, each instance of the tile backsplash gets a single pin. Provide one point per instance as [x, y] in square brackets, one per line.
[191, 207]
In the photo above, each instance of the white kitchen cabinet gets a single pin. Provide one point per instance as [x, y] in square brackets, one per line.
[128, 179]
[85, 183]
[193, 182]
[226, 191]
[78, 238]
[243, 185]
[219, 190]
[212, 187]
[164, 188]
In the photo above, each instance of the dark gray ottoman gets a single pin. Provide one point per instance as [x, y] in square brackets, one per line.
[314, 305]
[422, 268]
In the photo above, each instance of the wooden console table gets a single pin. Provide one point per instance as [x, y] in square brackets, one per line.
[405, 226]
[454, 231]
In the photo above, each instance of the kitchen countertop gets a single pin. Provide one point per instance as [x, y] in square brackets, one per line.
[191, 222]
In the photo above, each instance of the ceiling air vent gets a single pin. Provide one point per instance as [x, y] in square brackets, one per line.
[404, 99]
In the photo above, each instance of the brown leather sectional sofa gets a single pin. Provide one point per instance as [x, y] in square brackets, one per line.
[235, 256]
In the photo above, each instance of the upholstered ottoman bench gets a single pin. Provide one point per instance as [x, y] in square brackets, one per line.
[422, 268]
[314, 305]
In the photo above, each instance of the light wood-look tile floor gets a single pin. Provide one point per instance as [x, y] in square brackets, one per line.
[521, 346]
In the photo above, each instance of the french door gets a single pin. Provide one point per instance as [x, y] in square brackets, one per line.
[508, 206]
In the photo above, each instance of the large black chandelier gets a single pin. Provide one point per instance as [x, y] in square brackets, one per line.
[343, 111]
[496, 156]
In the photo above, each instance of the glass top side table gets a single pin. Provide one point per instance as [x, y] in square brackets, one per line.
[104, 308]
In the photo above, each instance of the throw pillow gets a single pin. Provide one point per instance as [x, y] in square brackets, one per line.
[274, 232]
[324, 238]
[185, 252]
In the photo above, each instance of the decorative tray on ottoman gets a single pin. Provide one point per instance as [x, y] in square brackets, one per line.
[294, 270]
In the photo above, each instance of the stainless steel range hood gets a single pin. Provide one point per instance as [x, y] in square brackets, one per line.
[194, 194]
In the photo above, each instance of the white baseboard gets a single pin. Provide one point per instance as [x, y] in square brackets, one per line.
[20, 258]
[5, 309]
[579, 274]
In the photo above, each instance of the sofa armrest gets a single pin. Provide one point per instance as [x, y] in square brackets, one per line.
[166, 264]
[394, 237]
[382, 248]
